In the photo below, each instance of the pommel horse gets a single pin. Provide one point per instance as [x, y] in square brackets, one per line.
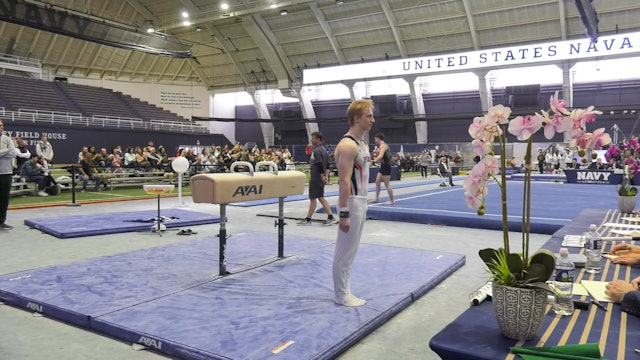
[226, 188]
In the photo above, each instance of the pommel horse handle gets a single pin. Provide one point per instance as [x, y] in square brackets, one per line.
[235, 164]
[255, 184]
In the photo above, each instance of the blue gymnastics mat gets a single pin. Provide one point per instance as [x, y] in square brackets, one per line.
[398, 185]
[70, 226]
[171, 300]
[553, 205]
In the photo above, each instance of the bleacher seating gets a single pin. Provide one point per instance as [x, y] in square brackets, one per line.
[93, 101]
[24, 93]
[148, 111]
[19, 93]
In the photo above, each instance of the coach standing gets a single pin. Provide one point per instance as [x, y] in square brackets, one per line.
[8, 151]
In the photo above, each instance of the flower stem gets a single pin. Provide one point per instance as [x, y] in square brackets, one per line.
[526, 203]
[503, 184]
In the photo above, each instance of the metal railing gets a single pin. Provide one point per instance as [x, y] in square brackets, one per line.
[76, 119]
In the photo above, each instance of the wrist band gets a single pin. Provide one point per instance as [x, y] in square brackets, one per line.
[344, 214]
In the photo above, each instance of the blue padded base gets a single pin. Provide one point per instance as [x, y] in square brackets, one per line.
[64, 227]
[553, 205]
[171, 299]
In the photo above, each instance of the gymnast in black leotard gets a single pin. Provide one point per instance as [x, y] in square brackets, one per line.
[384, 175]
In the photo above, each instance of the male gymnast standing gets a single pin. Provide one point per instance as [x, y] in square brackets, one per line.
[352, 158]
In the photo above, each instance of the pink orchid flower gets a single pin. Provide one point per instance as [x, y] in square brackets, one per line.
[555, 124]
[558, 105]
[598, 139]
[499, 114]
[480, 148]
[525, 126]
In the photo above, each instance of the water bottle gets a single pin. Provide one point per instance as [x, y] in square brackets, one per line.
[563, 302]
[593, 245]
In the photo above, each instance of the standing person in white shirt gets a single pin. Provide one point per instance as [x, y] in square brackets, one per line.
[8, 152]
[45, 152]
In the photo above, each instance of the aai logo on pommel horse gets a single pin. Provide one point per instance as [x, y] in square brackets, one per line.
[593, 177]
[245, 190]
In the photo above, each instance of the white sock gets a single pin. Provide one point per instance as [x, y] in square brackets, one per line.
[349, 300]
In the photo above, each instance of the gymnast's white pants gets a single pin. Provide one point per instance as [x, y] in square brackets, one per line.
[347, 246]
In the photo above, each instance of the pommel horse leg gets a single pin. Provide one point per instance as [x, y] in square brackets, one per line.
[280, 224]
[222, 260]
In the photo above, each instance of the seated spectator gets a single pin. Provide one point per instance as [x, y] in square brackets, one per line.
[116, 160]
[23, 156]
[154, 159]
[598, 165]
[141, 159]
[87, 171]
[198, 166]
[130, 161]
[32, 171]
[81, 153]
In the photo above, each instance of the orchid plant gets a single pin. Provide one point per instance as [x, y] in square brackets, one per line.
[518, 269]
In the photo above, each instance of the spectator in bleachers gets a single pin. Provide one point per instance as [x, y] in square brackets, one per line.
[103, 159]
[33, 171]
[23, 156]
[81, 153]
[45, 151]
[116, 160]
[162, 152]
[197, 167]
[155, 160]
[141, 158]
[87, 171]
[191, 155]
[130, 161]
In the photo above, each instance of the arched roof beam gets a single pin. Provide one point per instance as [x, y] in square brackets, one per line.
[393, 24]
[230, 50]
[267, 42]
[329, 33]
[562, 12]
[472, 24]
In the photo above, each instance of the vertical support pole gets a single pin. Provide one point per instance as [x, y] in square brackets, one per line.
[158, 219]
[180, 188]
[281, 227]
[222, 261]
[73, 186]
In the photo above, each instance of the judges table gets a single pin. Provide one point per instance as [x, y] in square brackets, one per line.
[475, 334]
[373, 172]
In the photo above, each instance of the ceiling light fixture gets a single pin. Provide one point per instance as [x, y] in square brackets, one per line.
[339, 2]
[185, 14]
[283, 12]
[224, 6]
[273, 6]
[148, 26]
[186, 23]
[198, 28]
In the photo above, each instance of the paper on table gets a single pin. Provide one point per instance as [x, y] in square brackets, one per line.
[577, 289]
[596, 288]
[609, 256]
[630, 218]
